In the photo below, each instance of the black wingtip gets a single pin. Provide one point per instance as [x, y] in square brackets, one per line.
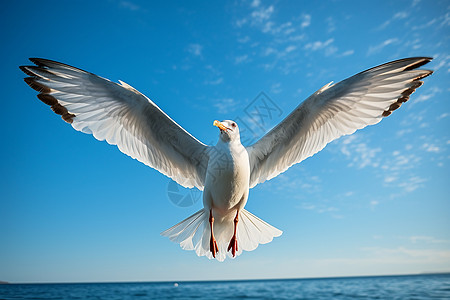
[36, 85]
[26, 71]
[48, 63]
[422, 61]
[37, 61]
[41, 65]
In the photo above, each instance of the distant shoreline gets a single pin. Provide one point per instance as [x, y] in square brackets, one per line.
[238, 280]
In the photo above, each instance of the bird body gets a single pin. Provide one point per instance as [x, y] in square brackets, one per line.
[227, 176]
[123, 116]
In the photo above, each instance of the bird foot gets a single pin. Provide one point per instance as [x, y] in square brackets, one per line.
[233, 246]
[213, 246]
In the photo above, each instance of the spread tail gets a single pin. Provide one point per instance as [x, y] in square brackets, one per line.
[193, 233]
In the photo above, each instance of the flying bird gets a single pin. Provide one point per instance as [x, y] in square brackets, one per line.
[121, 115]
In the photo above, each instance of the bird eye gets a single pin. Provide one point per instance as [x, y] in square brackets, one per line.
[233, 124]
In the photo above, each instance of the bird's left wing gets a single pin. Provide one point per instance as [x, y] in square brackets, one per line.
[361, 100]
[122, 116]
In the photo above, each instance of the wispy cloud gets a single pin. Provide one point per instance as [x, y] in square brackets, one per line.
[331, 24]
[427, 239]
[431, 148]
[305, 20]
[262, 14]
[408, 253]
[397, 16]
[327, 46]
[347, 53]
[244, 39]
[225, 105]
[377, 48]
[129, 5]
[195, 49]
[275, 88]
[396, 169]
[443, 116]
[430, 93]
[317, 45]
[443, 61]
[214, 82]
[412, 183]
[255, 3]
[278, 53]
[359, 153]
[241, 59]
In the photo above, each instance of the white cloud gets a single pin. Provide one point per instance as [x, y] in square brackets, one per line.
[268, 27]
[443, 61]
[214, 82]
[426, 254]
[390, 178]
[443, 116]
[411, 184]
[305, 20]
[360, 154]
[241, 59]
[427, 239]
[129, 5]
[275, 88]
[431, 148]
[290, 49]
[269, 51]
[225, 105]
[426, 25]
[348, 53]
[330, 50]
[395, 168]
[325, 45]
[314, 46]
[195, 49]
[331, 24]
[397, 16]
[241, 22]
[244, 39]
[349, 194]
[255, 3]
[262, 14]
[377, 48]
[427, 94]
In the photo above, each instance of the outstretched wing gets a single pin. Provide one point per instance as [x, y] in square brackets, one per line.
[122, 116]
[335, 110]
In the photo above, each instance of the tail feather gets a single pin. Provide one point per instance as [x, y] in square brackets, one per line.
[183, 232]
[193, 233]
[253, 231]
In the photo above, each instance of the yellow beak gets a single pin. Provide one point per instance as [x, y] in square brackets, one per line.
[220, 125]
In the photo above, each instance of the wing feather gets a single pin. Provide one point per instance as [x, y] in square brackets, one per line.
[122, 116]
[335, 110]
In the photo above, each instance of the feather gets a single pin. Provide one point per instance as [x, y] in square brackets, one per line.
[333, 111]
[122, 116]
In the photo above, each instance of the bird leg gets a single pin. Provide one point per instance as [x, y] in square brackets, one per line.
[233, 243]
[212, 242]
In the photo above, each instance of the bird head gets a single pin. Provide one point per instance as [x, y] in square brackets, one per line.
[229, 131]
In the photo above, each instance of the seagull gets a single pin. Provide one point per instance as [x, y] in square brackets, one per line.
[121, 115]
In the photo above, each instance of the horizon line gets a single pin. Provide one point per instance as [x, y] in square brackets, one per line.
[232, 280]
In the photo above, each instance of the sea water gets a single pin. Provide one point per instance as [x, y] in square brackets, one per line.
[435, 286]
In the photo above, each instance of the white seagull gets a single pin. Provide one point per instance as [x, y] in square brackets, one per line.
[123, 116]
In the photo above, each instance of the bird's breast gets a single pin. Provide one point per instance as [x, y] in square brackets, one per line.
[228, 175]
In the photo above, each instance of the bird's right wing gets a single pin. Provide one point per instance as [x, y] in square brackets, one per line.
[122, 116]
[361, 100]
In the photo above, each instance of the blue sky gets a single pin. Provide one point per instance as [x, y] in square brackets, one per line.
[75, 209]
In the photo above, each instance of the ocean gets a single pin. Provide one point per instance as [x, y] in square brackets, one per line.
[433, 286]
